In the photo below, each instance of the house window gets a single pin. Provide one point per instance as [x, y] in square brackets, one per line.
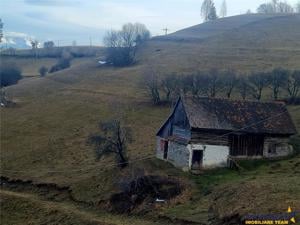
[272, 148]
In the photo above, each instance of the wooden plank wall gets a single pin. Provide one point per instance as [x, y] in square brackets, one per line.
[209, 138]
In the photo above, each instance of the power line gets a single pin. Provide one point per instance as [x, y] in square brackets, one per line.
[152, 156]
[85, 169]
[166, 30]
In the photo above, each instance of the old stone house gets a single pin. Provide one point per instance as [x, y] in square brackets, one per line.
[205, 132]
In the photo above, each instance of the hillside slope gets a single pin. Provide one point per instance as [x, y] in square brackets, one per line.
[44, 138]
[245, 43]
[217, 27]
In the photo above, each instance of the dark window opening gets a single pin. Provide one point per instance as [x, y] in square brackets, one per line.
[165, 149]
[272, 148]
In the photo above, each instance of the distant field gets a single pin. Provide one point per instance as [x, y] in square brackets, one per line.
[77, 51]
[44, 137]
[30, 66]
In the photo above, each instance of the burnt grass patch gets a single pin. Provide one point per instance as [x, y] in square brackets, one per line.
[146, 191]
[140, 193]
[49, 191]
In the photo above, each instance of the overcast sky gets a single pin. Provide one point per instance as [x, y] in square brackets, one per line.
[68, 20]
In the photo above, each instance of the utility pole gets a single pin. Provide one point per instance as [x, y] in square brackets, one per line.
[166, 30]
[90, 41]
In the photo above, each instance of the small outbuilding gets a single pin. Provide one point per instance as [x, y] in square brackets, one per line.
[206, 132]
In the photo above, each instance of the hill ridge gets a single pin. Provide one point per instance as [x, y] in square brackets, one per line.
[212, 28]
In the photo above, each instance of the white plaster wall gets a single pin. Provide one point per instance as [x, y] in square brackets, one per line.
[282, 147]
[213, 155]
[179, 155]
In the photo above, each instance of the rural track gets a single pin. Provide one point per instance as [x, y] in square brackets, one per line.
[88, 216]
[61, 206]
[60, 199]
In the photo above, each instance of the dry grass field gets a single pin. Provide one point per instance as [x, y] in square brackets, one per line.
[30, 66]
[44, 138]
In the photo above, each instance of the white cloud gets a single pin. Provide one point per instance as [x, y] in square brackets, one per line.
[16, 40]
[92, 17]
[17, 34]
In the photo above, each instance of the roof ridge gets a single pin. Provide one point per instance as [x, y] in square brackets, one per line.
[232, 100]
[229, 114]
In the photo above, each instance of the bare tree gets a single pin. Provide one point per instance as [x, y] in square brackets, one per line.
[142, 33]
[34, 46]
[214, 83]
[243, 87]
[121, 45]
[275, 6]
[298, 7]
[293, 84]
[169, 85]
[212, 13]
[223, 11]
[258, 82]
[1, 30]
[48, 44]
[113, 139]
[265, 8]
[277, 79]
[229, 81]
[185, 84]
[11, 51]
[196, 84]
[205, 84]
[151, 81]
[208, 10]
[284, 7]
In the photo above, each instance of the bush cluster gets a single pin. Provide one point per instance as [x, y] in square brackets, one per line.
[63, 63]
[10, 74]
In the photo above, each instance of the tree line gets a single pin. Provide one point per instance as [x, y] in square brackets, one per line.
[122, 44]
[276, 6]
[209, 12]
[215, 83]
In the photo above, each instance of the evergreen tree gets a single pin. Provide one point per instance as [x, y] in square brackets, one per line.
[208, 10]
[223, 11]
[298, 7]
[1, 30]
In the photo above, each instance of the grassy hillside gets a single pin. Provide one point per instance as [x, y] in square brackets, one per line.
[30, 66]
[245, 43]
[44, 137]
[217, 27]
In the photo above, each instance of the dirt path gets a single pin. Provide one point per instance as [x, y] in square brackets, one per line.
[88, 215]
[50, 197]
[62, 207]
